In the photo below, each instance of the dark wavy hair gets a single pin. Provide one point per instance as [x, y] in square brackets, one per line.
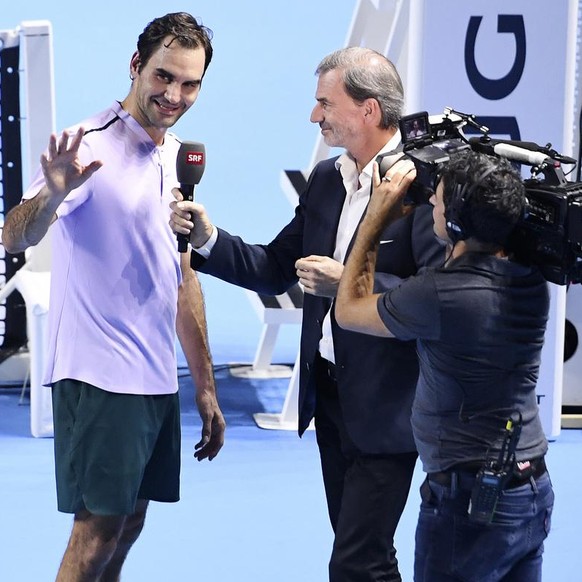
[182, 27]
[494, 199]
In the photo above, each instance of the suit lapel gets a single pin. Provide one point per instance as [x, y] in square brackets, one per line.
[330, 201]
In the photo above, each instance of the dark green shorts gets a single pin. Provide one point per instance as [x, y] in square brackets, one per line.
[113, 449]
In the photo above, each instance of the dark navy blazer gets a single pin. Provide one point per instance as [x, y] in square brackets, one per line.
[376, 376]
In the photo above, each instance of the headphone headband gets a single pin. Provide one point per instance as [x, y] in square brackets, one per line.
[456, 208]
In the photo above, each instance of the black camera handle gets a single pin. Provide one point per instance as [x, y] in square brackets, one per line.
[468, 118]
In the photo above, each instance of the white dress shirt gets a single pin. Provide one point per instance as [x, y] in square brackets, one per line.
[358, 189]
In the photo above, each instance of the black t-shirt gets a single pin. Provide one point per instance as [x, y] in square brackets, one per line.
[479, 325]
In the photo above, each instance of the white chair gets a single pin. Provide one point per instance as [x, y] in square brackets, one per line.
[33, 283]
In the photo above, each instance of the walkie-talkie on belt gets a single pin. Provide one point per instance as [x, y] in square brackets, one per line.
[492, 477]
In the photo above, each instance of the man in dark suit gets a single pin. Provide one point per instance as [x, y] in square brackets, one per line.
[359, 388]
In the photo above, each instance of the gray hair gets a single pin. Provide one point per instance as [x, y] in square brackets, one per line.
[367, 74]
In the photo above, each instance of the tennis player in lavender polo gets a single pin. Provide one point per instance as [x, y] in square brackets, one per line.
[120, 292]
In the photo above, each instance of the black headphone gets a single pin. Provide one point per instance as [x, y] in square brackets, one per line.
[455, 220]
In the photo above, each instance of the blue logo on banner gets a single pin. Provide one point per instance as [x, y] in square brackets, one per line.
[494, 89]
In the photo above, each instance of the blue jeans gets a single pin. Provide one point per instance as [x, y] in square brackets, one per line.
[452, 548]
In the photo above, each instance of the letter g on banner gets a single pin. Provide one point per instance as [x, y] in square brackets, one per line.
[494, 89]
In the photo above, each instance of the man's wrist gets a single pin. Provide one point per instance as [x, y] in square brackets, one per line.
[205, 249]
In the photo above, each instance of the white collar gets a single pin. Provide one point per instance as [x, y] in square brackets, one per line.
[347, 165]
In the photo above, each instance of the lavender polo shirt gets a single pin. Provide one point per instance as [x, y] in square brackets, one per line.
[115, 265]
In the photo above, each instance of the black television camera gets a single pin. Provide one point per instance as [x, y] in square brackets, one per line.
[428, 145]
[550, 234]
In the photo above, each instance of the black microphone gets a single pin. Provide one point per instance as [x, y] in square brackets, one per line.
[510, 151]
[190, 164]
[551, 153]
[521, 155]
[487, 147]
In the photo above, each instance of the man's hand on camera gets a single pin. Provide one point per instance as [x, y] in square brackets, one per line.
[389, 190]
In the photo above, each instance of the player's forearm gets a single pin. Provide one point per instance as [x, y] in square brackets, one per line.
[26, 224]
[191, 328]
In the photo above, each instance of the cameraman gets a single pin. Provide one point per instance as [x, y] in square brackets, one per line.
[479, 323]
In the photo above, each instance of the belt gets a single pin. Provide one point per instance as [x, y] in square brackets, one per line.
[466, 474]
